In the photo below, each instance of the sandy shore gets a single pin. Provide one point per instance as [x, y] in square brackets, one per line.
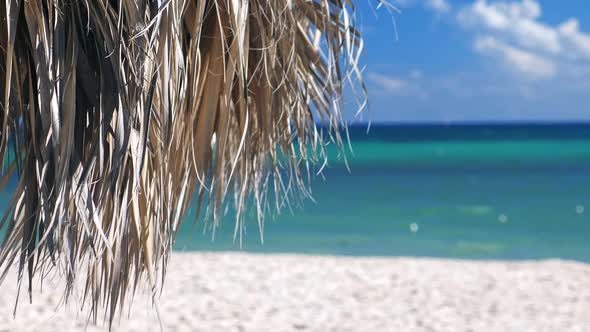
[243, 292]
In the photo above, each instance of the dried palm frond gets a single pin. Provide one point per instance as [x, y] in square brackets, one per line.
[116, 114]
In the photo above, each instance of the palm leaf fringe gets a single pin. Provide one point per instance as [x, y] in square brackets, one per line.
[116, 114]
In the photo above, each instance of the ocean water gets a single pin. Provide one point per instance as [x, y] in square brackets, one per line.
[472, 191]
[469, 191]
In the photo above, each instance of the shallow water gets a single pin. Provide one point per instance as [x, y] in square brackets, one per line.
[483, 192]
[478, 192]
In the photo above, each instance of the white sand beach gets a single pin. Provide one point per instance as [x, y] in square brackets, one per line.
[246, 292]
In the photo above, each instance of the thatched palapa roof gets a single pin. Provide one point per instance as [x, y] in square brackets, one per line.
[115, 115]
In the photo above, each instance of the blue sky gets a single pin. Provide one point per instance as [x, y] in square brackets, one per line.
[477, 60]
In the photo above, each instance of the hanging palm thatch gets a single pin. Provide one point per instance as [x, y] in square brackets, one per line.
[116, 114]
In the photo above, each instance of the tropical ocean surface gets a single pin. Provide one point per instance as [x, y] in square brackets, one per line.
[458, 191]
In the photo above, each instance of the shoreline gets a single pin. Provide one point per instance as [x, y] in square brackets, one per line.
[293, 292]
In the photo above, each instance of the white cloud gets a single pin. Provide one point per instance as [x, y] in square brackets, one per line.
[416, 74]
[399, 86]
[390, 84]
[526, 63]
[517, 22]
[574, 38]
[515, 35]
[437, 6]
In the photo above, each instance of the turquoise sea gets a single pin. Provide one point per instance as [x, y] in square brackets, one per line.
[454, 191]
